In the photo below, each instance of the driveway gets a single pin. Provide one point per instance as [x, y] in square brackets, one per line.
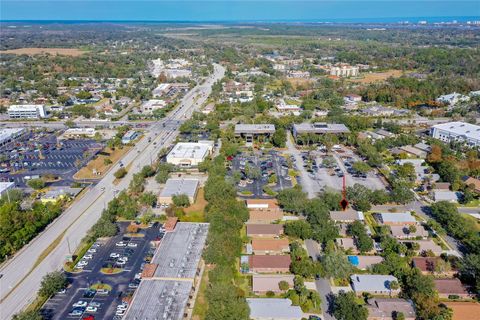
[322, 284]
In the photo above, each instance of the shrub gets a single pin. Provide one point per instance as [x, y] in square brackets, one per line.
[270, 294]
[120, 173]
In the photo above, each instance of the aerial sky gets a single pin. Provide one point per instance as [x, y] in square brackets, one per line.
[241, 10]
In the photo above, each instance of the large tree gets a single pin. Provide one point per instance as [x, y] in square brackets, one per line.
[345, 307]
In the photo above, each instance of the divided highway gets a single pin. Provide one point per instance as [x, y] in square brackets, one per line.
[22, 274]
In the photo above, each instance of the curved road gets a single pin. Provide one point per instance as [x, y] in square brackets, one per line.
[22, 274]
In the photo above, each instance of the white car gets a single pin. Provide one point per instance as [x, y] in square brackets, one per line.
[82, 263]
[122, 306]
[92, 250]
[91, 309]
[120, 312]
[114, 255]
[120, 244]
[80, 303]
[121, 262]
[132, 245]
[94, 304]
[88, 256]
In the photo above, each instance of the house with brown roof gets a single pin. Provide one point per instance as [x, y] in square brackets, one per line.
[385, 308]
[264, 216]
[463, 310]
[347, 216]
[407, 232]
[264, 230]
[472, 181]
[441, 186]
[261, 283]
[269, 264]
[430, 265]
[262, 204]
[346, 244]
[270, 246]
[425, 245]
[451, 287]
[170, 223]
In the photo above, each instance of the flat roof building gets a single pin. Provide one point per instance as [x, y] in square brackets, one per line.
[457, 131]
[186, 154]
[5, 186]
[8, 135]
[129, 136]
[373, 283]
[26, 111]
[319, 128]
[273, 309]
[175, 187]
[79, 133]
[151, 105]
[249, 131]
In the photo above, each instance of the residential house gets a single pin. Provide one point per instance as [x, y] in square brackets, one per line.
[470, 181]
[430, 265]
[426, 245]
[414, 152]
[262, 204]
[264, 230]
[395, 219]
[346, 244]
[373, 284]
[264, 216]
[270, 246]
[407, 232]
[385, 308]
[451, 287]
[445, 195]
[347, 216]
[269, 264]
[364, 262]
[273, 309]
[463, 310]
[262, 283]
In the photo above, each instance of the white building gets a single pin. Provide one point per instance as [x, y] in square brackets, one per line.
[5, 186]
[26, 111]
[79, 133]
[452, 99]
[151, 105]
[176, 187]
[186, 154]
[344, 71]
[457, 131]
[8, 135]
[373, 284]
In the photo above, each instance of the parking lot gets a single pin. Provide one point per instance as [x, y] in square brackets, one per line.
[94, 294]
[38, 154]
[256, 170]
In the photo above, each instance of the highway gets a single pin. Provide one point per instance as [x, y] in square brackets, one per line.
[22, 274]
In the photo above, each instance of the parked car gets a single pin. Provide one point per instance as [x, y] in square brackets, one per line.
[76, 312]
[88, 256]
[89, 293]
[132, 245]
[114, 255]
[92, 250]
[94, 304]
[80, 303]
[103, 292]
[121, 244]
[91, 309]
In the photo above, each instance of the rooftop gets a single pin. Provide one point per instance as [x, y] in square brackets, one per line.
[273, 308]
[347, 215]
[381, 308]
[464, 310]
[404, 232]
[450, 286]
[254, 128]
[264, 261]
[6, 133]
[275, 229]
[460, 128]
[262, 203]
[320, 127]
[270, 244]
[265, 216]
[180, 186]
[396, 218]
[5, 186]
[189, 150]
[363, 262]
[267, 282]
[180, 251]
[371, 282]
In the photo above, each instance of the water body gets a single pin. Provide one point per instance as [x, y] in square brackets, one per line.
[241, 10]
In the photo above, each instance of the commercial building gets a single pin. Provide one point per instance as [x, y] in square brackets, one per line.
[273, 309]
[384, 309]
[262, 283]
[59, 193]
[168, 291]
[73, 133]
[5, 186]
[26, 111]
[269, 264]
[250, 131]
[462, 132]
[270, 246]
[264, 230]
[175, 187]
[129, 136]
[395, 219]
[319, 128]
[344, 71]
[373, 284]
[151, 105]
[186, 154]
[9, 135]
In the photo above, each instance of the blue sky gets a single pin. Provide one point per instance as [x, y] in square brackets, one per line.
[238, 10]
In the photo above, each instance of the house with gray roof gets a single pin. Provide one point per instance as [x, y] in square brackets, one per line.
[373, 284]
[273, 309]
[319, 128]
[393, 219]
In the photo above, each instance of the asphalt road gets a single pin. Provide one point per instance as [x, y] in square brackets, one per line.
[22, 274]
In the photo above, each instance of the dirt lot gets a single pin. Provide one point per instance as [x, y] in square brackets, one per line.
[53, 51]
[378, 76]
[98, 164]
